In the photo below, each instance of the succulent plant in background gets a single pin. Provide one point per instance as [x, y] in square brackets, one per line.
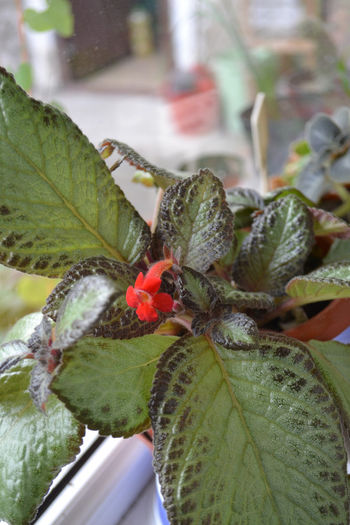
[180, 328]
[328, 166]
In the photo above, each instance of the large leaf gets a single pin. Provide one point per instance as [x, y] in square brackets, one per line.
[195, 220]
[58, 201]
[333, 359]
[33, 446]
[106, 383]
[119, 321]
[328, 282]
[276, 248]
[247, 436]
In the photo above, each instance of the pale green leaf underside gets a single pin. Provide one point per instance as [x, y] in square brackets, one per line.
[33, 446]
[328, 282]
[247, 437]
[106, 383]
[58, 201]
[333, 359]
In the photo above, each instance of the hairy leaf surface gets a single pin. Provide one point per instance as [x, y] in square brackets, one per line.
[241, 300]
[333, 360]
[194, 218]
[106, 383]
[247, 436]
[235, 331]
[276, 248]
[196, 291]
[327, 282]
[58, 202]
[33, 446]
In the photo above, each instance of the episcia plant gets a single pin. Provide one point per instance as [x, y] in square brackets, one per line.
[180, 329]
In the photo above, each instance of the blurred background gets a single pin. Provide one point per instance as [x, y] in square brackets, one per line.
[177, 79]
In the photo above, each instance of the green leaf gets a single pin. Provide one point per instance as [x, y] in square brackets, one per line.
[277, 247]
[247, 437]
[235, 331]
[24, 327]
[24, 76]
[33, 446]
[58, 16]
[338, 252]
[280, 193]
[119, 321]
[333, 360]
[196, 291]
[241, 300]
[325, 283]
[60, 204]
[194, 219]
[243, 198]
[84, 304]
[162, 178]
[106, 383]
[16, 350]
[325, 223]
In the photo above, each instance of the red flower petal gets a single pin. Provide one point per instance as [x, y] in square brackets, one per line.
[163, 302]
[139, 280]
[146, 312]
[131, 297]
[151, 284]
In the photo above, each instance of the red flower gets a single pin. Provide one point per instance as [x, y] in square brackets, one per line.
[144, 295]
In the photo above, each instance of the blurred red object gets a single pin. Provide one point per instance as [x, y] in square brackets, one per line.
[193, 100]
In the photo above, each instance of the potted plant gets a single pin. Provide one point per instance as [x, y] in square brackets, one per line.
[180, 329]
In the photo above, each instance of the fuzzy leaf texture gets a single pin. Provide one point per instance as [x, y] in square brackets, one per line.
[333, 360]
[241, 300]
[106, 383]
[196, 291]
[58, 203]
[325, 283]
[247, 436]
[194, 219]
[119, 321]
[277, 247]
[33, 446]
[235, 331]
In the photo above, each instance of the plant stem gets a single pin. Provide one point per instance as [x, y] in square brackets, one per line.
[156, 210]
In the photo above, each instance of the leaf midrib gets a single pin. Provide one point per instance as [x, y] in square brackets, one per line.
[236, 403]
[70, 207]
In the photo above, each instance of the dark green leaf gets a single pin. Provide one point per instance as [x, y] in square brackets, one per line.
[338, 252]
[277, 247]
[106, 383]
[119, 321]
[33, 446]
[196, 291]
[57, 16]
[60, 204]
[162, 178]
[247, 437]
[235, 331]
[195, 219]
[86, 301]
[333, 360]
[241, 300]
[325, 283]
[325, 223]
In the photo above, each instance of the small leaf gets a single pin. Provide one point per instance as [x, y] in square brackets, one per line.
[163, 178]
[33, 446]
[312, 181]
[195, 219]
[58, 16]
[280, 193]
[39, 385]
[119, 321]
[333, 360]
[196, 291]
[339, 170]
[24, 327]
[235, 331]
[70, 207]
[247, 437]
[322, 133]
[84, 304]
[325, 223]
[106, 383]
[243, 198]
[17, 350]
[241, 300]
[325, 283]
[338, 252]
[277, 247]
[24, 76]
